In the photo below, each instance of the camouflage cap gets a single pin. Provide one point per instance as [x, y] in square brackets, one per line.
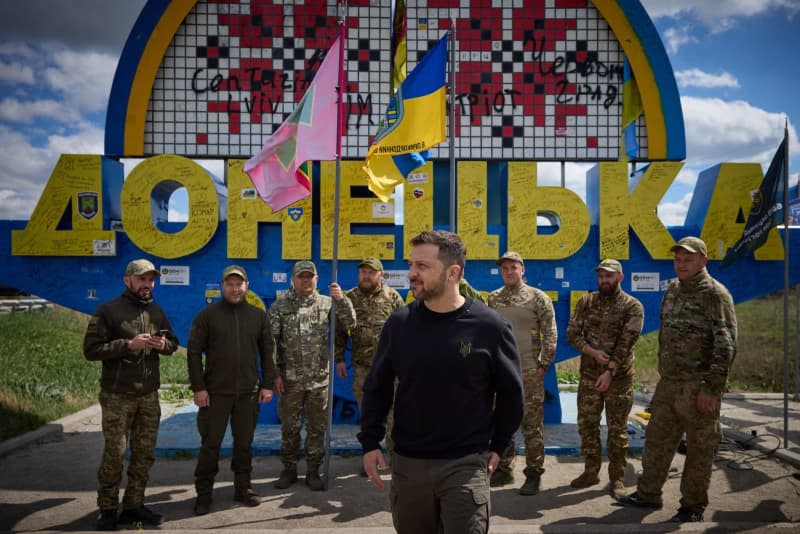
[234, 269]
[304, 266]
[612, 266]
[695, 245]
[140, 267]
[510, 255]
[372, 262]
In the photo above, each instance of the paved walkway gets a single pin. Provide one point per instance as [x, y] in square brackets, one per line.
[49, 485]
[178, 436]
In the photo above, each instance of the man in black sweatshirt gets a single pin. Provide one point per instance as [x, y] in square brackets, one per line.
[236, 339]
[459, 396]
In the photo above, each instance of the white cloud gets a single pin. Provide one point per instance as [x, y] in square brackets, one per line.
[674, 213]
[688, 175]
[717, 16]
[13, 110]
[83, 78]
[676, 38]
[27, 168]
[722, 131]
[699, 78]
[12, 72]
[18, 50]
[178, 206]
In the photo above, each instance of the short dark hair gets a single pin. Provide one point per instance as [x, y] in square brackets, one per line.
[452, 250]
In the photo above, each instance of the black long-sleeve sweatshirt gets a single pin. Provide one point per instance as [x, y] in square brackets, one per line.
[459, 386]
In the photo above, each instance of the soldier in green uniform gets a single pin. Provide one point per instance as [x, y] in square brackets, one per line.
[128, 334]
[604, 328]
[697, 345]
[373, 302]
[236, 339]
[530, 312]
[300, 325]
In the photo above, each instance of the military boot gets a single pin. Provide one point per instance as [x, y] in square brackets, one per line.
[586, 479]
[313, 479]
[501, 477]
[107, 519]
[616, 488]
[531, 485]
[287, 478]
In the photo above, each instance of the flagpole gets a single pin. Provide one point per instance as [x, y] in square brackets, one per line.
[451, 130]
[786, 285]
[334, 263]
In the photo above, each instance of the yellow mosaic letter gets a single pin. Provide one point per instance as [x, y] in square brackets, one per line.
[353, 210]
[76, 182]
[732, 192]
[417, 205]
[246, 210]
[137, 218]
[472, 218]
[526, 201]
[637, 210]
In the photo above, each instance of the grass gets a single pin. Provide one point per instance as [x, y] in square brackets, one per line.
[759, 360]
[43, 374]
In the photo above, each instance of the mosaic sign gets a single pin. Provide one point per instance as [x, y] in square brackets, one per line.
[534, 80]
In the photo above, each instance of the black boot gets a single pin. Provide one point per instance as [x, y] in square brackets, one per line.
[531, 485]
[107, 519]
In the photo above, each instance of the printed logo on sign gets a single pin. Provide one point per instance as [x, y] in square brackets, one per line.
[417, 178]
[174, 275]
[248, 193]
[104, 247]
[645, 281]
[295, 213]
[465, 349]
[397, 279]
[87, 204]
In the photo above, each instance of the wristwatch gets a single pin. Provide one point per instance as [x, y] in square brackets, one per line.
[612, 370]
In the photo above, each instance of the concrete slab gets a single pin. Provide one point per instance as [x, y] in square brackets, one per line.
[178, 437]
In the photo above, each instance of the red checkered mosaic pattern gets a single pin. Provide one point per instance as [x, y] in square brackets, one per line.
[536, 80]
[236, 69]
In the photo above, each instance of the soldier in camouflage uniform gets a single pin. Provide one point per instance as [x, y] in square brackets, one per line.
[128, 334]
[697, 345]
[530, 312]
[300, 325]
[604, 328]
[373, 302]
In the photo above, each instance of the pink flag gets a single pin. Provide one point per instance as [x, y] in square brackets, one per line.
[309, 133]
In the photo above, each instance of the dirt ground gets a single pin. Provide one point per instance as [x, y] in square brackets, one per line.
[51, 486]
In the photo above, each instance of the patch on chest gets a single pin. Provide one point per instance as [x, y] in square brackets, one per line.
[465, 349]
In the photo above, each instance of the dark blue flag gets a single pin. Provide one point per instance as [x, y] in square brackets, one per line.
[767, 210]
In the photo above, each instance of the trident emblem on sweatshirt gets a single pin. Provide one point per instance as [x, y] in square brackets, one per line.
[465, 349]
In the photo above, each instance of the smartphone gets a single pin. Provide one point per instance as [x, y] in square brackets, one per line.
[161, 333]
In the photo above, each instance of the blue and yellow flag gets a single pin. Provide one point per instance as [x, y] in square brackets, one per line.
[631, 111]
[414, 123]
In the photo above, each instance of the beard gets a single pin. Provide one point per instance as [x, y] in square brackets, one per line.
[143, 293]
[367, 286]
[426, 293]
[609, 289]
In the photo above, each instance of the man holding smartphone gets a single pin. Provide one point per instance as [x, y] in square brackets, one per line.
[128, 334]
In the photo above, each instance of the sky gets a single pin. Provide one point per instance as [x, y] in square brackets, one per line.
[733, 62]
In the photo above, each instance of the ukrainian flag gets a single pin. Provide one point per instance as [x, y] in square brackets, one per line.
[631, 111]
[414, 123]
